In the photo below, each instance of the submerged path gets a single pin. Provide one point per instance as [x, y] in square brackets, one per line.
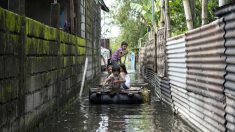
[82, 116]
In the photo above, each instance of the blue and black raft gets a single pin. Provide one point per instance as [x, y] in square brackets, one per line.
[137, 94]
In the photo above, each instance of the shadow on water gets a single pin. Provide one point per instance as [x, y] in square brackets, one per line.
[149, 117]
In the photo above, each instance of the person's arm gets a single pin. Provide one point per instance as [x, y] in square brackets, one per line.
[122, 53]
[108, 79]
[121, 80]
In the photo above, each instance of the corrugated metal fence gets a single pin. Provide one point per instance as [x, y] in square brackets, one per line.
[176, 62]
[228, 13]
[200, 73]
[205, 75]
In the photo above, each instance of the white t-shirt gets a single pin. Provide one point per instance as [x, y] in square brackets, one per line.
[127, 79]
[106, 55]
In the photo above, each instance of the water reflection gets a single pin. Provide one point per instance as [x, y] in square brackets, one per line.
[82, 116]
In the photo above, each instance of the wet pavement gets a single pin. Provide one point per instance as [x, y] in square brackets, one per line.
[155, 116]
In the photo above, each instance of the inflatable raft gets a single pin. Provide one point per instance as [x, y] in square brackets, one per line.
[135, 95]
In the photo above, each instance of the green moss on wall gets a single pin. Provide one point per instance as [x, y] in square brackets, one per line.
[34, 28]
[81, 42]
[82, 50]
[37, 29]
[6, 93]
[2, 19]
[9, 21]
[50, 33]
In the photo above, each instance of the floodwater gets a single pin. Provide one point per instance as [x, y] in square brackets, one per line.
[155, 116]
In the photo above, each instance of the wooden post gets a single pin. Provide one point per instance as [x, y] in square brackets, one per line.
[204, 12]
[188, 14]
[168, 23]
[162, 19]
[71, 15]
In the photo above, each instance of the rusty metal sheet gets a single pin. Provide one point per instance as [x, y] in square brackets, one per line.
[161, 52]
[141, 55]
[149, 58]
[205, 54]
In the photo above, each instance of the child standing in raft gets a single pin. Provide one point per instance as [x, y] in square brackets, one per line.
[116, 57]
[125, 76]
[114, 79]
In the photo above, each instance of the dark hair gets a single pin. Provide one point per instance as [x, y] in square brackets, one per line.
[124, 68]
[109, 66]
[124, 43]
[115, 68]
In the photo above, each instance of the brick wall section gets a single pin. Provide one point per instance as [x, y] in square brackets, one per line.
[40, 70]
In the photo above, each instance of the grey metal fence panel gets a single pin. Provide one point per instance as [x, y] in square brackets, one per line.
[176, 62]
[205, 61]
[161, 86]
[230, 110]
[228, 13]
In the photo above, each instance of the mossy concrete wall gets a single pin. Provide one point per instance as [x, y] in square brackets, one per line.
[40, 70]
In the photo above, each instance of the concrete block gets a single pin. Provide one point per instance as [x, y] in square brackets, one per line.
[11, 66]
[2, 19]
[11, 111]
[44, 47]
[2, 115]
[2, 67]
[29, 103]
[31, 46]
[40, 80]
[3, 42]
[33, 83]
[41, 64]
[44, 95]
[8, 90]
[29, 118]
[14, 126]
[53, 48]
[51, 91]
[13, 22]
[34, 28]
[37, 100]
[12, 44]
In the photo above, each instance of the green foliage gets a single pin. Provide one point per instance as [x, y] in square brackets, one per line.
[135, 18]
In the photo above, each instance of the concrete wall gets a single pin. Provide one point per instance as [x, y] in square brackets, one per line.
[93, 35]
[41, 69]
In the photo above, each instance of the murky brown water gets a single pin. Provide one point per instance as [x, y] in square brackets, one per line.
[82, 116]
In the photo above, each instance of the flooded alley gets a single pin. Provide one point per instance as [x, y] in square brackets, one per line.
[55, 55]
[155, 116]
